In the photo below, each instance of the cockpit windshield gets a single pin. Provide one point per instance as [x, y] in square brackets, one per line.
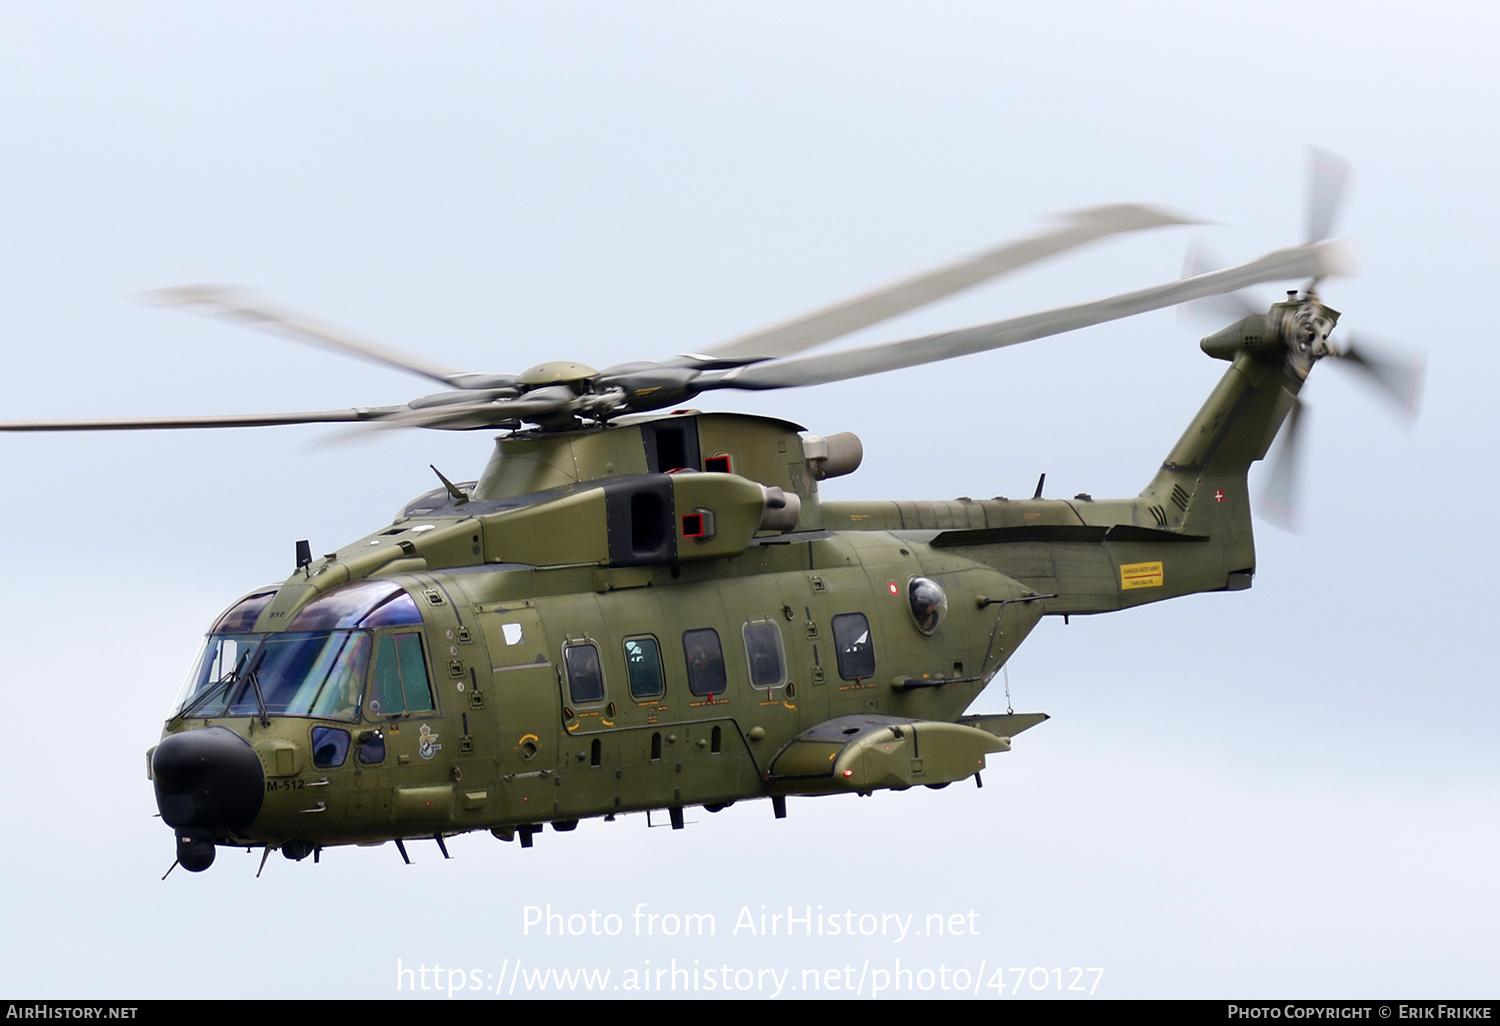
[303, 672]
[315, 673]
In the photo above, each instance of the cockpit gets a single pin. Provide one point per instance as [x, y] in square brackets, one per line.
[320, 665]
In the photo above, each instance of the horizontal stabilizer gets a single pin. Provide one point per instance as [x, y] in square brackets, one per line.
[1004, 724]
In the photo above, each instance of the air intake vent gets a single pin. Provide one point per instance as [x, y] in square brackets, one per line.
[642, 526]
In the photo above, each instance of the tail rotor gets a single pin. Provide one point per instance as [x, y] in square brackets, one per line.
[1299, 329]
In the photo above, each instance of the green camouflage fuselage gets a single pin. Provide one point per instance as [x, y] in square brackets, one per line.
[662, 613]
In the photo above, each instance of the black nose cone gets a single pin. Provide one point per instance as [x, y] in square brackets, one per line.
[208, 778]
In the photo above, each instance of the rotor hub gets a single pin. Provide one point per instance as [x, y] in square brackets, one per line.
[558, 372]
[1304, 328]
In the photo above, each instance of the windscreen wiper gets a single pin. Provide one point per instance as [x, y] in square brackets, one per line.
[260, 699]
[217, 687]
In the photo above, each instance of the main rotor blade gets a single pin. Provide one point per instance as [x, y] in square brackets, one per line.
[232, 420]
[542, 402]
[1313, 260]
[228, 304]
[831, 322]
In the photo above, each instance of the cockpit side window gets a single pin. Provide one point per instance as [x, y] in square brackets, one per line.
[338, 699]
[400, 684]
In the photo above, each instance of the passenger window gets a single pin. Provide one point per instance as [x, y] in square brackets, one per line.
[705, 661]
[400, 684]
[643, 667]
[585, 675]
[763, 650]
[856, 652]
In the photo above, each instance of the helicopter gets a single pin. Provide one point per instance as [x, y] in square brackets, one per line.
[638, 606]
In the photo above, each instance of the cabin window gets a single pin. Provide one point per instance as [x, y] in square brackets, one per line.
[856, 651]
[763, 651]
[928, 602]
[705, 661]
[585, 675]
[643, 667]
[399, 685]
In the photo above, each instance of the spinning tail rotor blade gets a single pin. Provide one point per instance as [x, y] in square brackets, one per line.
[1231, 306]
[1278, 502]
[831, 322]
[1397, 378]
[1328, 180]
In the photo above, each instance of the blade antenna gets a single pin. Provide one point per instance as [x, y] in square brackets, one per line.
[458, 494]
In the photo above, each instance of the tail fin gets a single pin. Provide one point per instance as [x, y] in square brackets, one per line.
[1202, 486]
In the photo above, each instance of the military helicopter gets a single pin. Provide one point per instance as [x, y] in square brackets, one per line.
[641, 607]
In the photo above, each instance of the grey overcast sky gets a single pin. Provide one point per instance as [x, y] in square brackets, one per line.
[1290, 791]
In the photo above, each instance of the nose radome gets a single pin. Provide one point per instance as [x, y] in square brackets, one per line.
[208, 778]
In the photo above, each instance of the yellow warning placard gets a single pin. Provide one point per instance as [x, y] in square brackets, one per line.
[1140, 575]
